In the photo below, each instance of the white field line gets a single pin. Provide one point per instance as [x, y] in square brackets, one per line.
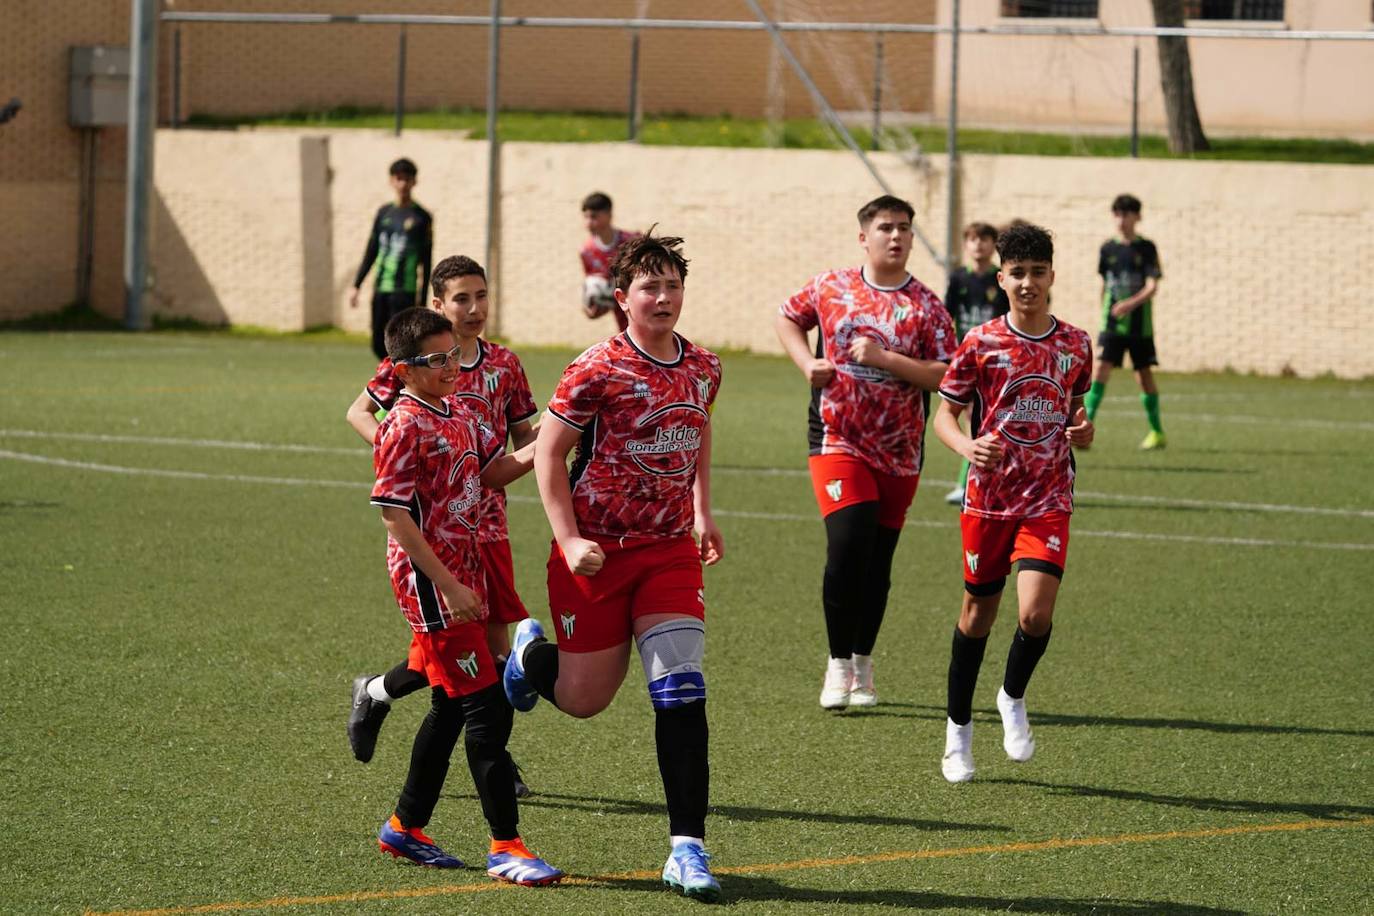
[268, 447]
[724, 513]
[1251, 420]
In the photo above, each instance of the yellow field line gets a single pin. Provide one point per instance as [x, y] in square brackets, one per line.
[1120, 839]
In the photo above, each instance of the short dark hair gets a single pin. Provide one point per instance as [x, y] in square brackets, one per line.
[404, 167]
[408, 329]
[597, 201]
[980, 231]
[451, 268]
[879, 204]
[1126, 203]
[648, 254]
[1025, 242]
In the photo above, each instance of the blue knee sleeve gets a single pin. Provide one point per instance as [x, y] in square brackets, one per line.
[672, 655]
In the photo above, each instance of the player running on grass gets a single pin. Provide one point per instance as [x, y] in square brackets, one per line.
[1023, 376]
[432, 460]
[492, 382]
[884, 342]
[624, 565]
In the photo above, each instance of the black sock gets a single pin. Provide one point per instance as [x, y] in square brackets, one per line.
[878, 581]
[681, 737]
[541, 667]
[402, 681]
[1022, 657]
[429, 758]
[965, 658]
[849, 534]
[489, 719]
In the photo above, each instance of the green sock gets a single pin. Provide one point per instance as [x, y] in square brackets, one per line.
[963, 474]
[1151, 404]
[1094, 398]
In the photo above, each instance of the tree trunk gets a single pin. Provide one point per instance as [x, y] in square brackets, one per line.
[1176, 79]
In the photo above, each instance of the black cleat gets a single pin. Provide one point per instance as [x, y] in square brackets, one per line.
[365, 720]
[521, 790]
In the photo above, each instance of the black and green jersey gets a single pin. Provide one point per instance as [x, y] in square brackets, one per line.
[402, 239]
[974, 298]
[1124, 267]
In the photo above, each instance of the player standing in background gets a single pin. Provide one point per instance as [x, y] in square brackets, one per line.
[884, 342]
[432, 460]
[1023, 376]
[972, 298]
[491, 381]
[399, 246]
[1130, 271]
[597, 254]
[623, 564]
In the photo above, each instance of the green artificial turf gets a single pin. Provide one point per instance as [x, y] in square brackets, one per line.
[192, 575]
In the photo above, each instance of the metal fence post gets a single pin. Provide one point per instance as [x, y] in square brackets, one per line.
[494, 164]
[1135, 101]
[176, 77]
[401, 81]
[877, 88]
[634, 87]
[142, 121]
[952, 148]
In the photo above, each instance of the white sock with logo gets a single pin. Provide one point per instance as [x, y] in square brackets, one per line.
[377, 690]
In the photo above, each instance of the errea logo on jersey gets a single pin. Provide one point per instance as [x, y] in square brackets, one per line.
[971, 559]
[568, 621]
[441, 445]
[640, 390]
[1053, 543]
[835, 488]
[468, 664]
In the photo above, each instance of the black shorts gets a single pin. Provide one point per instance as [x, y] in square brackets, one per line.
[1112, 348]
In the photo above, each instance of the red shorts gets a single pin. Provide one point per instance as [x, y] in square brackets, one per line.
[641, 576]
[503, 601]
[841, 481]
[991, 545]
[456, 659]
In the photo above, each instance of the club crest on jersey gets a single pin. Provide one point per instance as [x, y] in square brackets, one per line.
[668, 440]
[835, 488]
[704, 388]
[491, 379]
[900, 310]
[640, 389]
[1052, 542]
[468, 664]
[568, 621]
[971, 559]
[1065, 362]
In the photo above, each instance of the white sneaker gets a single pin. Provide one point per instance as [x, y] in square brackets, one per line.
[1017, 739]
[862, 692]
[957, 764]
[839, 678]
[955, 497]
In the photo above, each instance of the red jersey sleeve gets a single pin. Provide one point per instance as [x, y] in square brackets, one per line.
[488, 445]
[521, 405]
[802, 309]
[961, 378]
[395, 459]
[937, 335]
[578, 395]
[385, 385]
[1085, 369]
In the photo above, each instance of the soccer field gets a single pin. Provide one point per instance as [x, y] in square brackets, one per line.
[192, 576]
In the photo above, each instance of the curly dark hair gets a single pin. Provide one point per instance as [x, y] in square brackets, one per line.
[648, 254]
[1025, 242]
[451, 268]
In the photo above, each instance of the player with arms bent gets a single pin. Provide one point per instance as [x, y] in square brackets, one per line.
[597, 254]
[623, 564]
[1023, 376]
[884, 342]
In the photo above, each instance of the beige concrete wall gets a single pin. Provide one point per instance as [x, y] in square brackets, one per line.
[262, 69]
[1243, 86]
[1260, 260]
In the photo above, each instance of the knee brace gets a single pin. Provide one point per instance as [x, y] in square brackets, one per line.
[672, 654]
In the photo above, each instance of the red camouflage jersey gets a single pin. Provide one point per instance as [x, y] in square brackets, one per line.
[430, 462]
[641, 421]
[1021, 388]
[496, 387]
[865, 411]
[597, 258]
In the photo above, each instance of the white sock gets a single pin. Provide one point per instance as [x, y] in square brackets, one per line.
[694, 840]
[377, 690]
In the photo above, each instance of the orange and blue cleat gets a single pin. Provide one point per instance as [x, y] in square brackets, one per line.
[509, 860]
[411, 843]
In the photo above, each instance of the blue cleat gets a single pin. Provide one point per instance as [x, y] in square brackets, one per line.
[686, 870]
[517, 865]
[412, 844]
[519, 691]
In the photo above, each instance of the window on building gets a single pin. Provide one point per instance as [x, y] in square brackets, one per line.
[1252, 10]
[1055, 9]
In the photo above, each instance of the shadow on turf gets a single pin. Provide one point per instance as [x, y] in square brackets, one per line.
[1317, 811]
[739, 813]
[1049, 718]
[751, 887]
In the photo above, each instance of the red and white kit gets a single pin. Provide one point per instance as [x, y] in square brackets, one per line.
[597, 258]
[865, 411]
